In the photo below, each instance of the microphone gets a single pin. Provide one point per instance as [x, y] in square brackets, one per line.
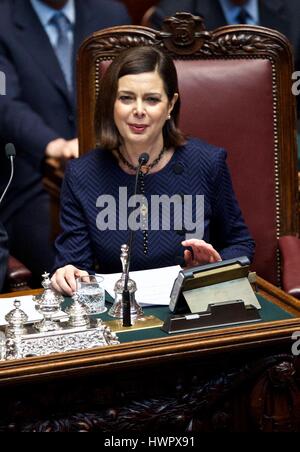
[10, 152]
[179, 258]
[143, 159]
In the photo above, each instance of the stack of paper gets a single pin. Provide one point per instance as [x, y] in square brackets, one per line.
[153, 286]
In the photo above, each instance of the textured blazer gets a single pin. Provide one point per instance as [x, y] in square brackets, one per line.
[37, 107]
[194, 169]
[3, 255]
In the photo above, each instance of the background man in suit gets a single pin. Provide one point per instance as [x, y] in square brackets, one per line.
[38, 44]
[281, 15]
[3, 255]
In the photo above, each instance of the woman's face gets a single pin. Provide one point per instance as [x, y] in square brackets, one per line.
[141, 109]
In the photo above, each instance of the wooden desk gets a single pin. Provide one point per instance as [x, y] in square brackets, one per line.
[242, 378]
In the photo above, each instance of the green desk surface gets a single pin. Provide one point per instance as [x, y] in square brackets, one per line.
[269, 312]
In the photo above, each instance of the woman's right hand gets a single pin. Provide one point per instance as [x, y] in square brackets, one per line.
[64, 279]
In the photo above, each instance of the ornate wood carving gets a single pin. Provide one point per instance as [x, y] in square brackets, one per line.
[185, 34]
[241, 43]
[275, 399]
[120, 42]
[263, 395]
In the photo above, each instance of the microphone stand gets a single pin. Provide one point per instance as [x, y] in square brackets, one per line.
[143, 159]
[10, 152]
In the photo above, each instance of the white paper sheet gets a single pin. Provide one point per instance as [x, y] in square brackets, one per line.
[153, 286]
[27, 305]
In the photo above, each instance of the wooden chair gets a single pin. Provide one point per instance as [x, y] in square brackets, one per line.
[18, 276]
[235, 85]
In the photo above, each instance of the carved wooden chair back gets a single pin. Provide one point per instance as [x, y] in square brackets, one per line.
[235, 86]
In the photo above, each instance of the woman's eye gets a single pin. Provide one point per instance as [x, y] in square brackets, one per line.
[125, 99]
[152, 100]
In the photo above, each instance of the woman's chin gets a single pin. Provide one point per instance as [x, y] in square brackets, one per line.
[137, 139]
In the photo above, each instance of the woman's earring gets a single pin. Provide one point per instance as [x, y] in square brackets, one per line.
[169, 117]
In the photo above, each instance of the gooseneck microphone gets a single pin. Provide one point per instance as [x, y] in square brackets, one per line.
[10, 152]
[143, 159]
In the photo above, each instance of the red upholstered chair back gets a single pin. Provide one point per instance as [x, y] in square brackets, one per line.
[235, 86]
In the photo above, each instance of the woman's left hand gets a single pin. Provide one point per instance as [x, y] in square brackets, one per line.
[204, 253]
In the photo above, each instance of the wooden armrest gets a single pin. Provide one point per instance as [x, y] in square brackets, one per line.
[290, 252]
[18, 276]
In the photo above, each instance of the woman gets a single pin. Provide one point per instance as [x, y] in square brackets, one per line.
[137, 112]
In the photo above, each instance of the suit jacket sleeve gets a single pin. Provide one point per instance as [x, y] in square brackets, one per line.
[229, 233]
[123, 17]
[3, 255]
[73, 246]
[18, 122]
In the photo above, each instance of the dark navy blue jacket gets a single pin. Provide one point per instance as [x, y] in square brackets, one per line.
[3, 255]
[195, 169]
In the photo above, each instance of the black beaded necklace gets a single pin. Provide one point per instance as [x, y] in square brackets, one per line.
[141, 183]
[143, 212]
[145, 168]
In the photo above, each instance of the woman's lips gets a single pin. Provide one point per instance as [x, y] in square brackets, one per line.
[138, 128]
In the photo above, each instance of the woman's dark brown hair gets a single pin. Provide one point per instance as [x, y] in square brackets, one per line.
[136, 60]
